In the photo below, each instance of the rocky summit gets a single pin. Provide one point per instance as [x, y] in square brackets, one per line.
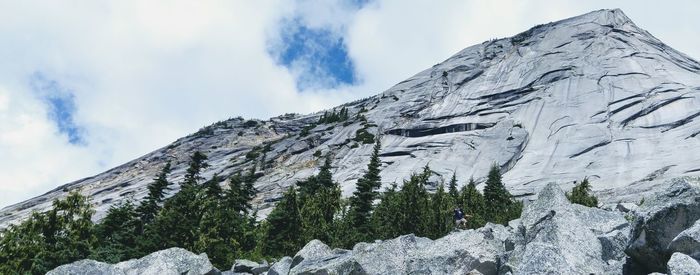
[552, 236]
[590, 96]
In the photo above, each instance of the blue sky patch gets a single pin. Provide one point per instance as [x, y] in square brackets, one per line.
[318, 57]
[60, 106]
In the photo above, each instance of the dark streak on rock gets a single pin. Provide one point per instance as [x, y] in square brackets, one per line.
[589, 149]
[651, 109]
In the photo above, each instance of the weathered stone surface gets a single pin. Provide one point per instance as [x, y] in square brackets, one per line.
[556, 237]
[175, 261]
[681, 264]
[688, 241]
[244, 265]
[660, 219]
[339, 262]
[313, 250]
[86, 267]
[281, 267]
[457, 253]
[260, 269]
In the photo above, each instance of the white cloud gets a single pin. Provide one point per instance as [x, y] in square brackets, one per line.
[147, 72]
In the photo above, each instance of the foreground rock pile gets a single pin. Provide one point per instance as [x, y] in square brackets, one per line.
[552, 236]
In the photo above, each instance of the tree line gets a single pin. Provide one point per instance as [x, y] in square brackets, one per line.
[204, 217]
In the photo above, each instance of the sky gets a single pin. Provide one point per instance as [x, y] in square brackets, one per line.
[89, 85]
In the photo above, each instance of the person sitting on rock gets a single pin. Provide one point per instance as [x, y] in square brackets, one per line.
[460, 220]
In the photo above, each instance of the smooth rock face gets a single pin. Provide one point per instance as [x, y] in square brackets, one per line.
[688, 241]
[175, 261]
[593, 95]
[681, 264]
[556, 237]
[661, 219]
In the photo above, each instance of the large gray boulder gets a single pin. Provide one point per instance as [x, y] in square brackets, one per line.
[338, 262]
[556, 237]
[86, 267]
[476, 251]
[681, 264]
[688, 241]
[175, 261]
[244, 265]
[660, 219]
[281, 267]
[456, 253]
[313, 250]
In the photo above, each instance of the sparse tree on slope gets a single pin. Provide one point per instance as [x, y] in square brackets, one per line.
[581, 194]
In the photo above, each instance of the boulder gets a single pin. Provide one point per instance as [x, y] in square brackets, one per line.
[456, 253]
[261, 268]
[681, 264]
[312, 250]
[687, 242]
[660, 219]
[86, 267]
[556, 237]
[244, 266]
[174, 261]
[338, 262]
[169, 261]
[281, 267]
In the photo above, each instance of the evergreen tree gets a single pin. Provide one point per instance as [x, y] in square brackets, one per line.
[580, 194]
[197, 163]
[441, 206]
[156, 190]
[473, 204]
[317, 213]
[454, 193]
[386, 216]
[283, 234]
[363, 198]
[117, 234]
[501, 207]
[212, 189]
[177, 223]
[46, 240]
[414, 204]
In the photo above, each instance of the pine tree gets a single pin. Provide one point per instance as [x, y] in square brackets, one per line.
[156, 190]
[441, 206]
[363, 198]
[178, 222]
[197, 163]
[501, 207]
[580, 194]
[46, 240]
[117, 234]
[473, 204]
[212, 189]
[386, 216]
[454, 193]
[283, 234]
[414, 204]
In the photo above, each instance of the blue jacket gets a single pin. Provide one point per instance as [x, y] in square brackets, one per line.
[459, 215]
